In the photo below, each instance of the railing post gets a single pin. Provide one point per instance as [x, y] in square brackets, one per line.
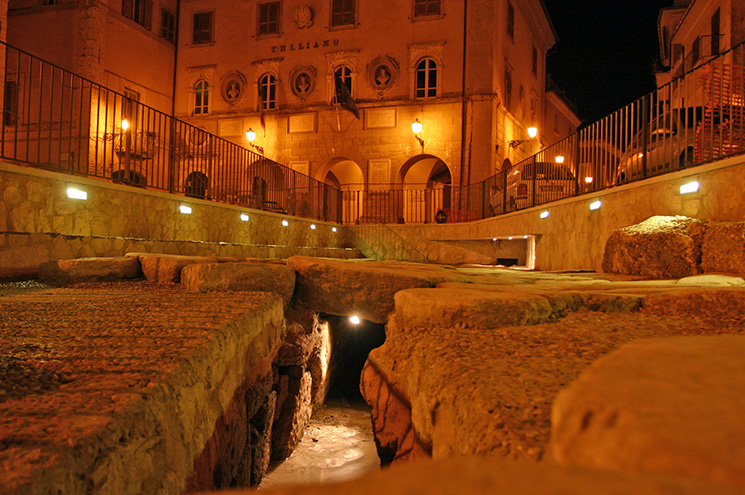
[535, 174]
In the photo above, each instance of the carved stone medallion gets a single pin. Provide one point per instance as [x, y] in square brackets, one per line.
[303, 16]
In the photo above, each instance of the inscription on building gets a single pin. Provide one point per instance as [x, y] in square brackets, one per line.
[306, 45]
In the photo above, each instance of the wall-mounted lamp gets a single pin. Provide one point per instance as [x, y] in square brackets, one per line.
[532, 133]
[416, 128]
[125, 125]
[251, 137]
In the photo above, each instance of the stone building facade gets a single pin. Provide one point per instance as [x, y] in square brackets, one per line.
[471, 72]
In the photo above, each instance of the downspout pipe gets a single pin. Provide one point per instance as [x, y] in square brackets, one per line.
[464, 108]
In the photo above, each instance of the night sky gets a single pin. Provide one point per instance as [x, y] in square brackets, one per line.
[606, 51]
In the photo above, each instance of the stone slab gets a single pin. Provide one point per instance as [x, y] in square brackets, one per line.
[660, 247]
[117, 388]
[660, 405]
[343, 287]
[166, 268]
[261, 277]
[89, 270]
[723, 248]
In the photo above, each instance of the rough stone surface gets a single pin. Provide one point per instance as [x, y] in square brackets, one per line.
[261, 277]
[118, 387]
[661, 405]
[166, 268]
[293, 417]
[660, 247]
[697, 303]
[488, 475]
[391, 415]
[723, 248]
[89, 270]
[298, 346]
[339, 287]
[261, 439]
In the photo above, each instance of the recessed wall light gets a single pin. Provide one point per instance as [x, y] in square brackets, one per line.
[312, 226]
[544, 214]
[285, 223]
[595, 205]
[690, 187]
[74, 193]
[186, 210]
[244, 217]
[333, 229]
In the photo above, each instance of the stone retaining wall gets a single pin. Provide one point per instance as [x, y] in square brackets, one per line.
[39, 223]
[572, 237]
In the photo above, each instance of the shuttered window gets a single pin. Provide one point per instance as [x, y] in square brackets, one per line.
[140, 11]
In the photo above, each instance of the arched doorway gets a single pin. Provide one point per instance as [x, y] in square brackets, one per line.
[268, 189]
[346, 175]
[426, 189]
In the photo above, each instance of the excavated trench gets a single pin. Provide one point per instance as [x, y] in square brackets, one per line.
[338, 444]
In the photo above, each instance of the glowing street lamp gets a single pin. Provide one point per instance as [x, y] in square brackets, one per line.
[532, 133]
[559, 159]
[416, 128]
[251, 137]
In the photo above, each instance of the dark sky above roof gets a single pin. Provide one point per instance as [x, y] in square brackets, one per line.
[606, 51]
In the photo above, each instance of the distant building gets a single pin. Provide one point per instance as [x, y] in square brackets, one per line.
[692, 32]
[471, 72]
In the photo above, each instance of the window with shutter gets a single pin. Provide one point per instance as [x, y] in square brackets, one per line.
[202, 28]
[268, 18]
[426, 8]
[342, 12]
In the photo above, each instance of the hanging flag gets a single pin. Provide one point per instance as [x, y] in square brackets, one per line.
[262, 120]
[344, 98]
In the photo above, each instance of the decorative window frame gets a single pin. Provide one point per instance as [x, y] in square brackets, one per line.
[336, 60]
[262, 68]
[419, 52]
[196, 74]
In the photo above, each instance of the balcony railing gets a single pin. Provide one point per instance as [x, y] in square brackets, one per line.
[56, 120]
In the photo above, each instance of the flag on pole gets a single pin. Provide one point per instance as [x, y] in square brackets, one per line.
[344, 98]
[262, 102]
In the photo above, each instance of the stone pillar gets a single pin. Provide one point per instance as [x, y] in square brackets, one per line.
[91, 40]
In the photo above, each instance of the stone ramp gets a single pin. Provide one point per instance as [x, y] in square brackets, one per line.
[117, 388]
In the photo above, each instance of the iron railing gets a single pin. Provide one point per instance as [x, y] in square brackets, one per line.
[697, 118]
[57, 120]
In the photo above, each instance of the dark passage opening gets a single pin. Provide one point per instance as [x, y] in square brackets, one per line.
[350, 346]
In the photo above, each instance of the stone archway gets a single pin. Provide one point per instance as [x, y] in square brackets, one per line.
[425, 182]
[346, 175]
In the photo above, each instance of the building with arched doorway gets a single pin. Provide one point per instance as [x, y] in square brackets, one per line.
[331, 88]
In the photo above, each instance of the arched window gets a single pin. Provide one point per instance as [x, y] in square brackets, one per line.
[201, 98]
[268, 92]
[426, 78]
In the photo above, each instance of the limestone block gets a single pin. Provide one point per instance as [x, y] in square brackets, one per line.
[261, 439]
[298, 345]
[658, 405]
[659, 247]
[470, 306]
[166, 268]
[473, 475]
[694, 303]
[391, 413]
[723, 248]
[340, 287]
[261, 277]
[89, 270]
[293, 418]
